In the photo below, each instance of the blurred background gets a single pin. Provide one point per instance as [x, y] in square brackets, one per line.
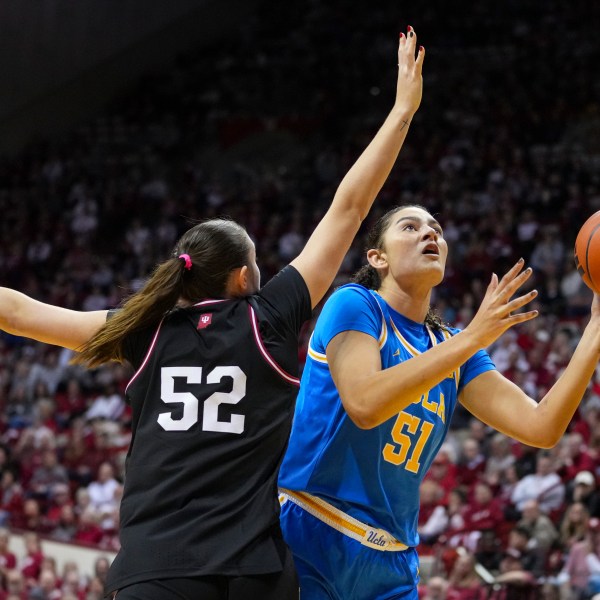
[120, 122]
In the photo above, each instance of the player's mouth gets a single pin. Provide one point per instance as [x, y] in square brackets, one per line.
[432, 248]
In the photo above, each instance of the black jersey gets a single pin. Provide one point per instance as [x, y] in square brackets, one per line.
[212, 402]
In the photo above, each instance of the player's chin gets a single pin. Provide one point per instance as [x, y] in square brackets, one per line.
[435, 272]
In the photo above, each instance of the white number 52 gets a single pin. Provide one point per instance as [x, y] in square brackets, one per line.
[210, 419]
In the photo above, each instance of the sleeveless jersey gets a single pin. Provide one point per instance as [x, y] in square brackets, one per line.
[373, 475]
[212, 402]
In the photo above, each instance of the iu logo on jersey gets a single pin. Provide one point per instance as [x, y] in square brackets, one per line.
[204, 321]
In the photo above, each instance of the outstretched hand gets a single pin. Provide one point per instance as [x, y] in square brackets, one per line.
[495, 315]
[410, 81]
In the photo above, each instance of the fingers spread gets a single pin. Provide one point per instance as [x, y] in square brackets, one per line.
[406, 49]
[420, 59]
[522, 317]
[521, 301]
[412, 40]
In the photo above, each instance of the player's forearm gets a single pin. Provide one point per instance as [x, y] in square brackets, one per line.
[553, 414]
[364, 180]
[377, 397]
[12, 304]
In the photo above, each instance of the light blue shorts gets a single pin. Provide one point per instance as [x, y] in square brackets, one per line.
[333, 566]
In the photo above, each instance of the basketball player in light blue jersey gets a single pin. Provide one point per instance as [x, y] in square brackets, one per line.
[381, 382]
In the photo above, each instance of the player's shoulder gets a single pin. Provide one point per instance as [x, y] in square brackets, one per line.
[353, 292]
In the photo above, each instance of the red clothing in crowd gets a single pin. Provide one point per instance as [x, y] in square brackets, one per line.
[31, 565]
[7, 560]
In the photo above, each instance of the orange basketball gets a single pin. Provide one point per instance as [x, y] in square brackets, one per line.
[587, 252]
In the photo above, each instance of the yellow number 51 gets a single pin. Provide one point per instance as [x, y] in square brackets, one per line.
[398, 455]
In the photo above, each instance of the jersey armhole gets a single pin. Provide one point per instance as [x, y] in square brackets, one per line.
[147, 357]
[265, 353]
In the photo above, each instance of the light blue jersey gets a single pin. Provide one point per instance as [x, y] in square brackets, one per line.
[372, 475]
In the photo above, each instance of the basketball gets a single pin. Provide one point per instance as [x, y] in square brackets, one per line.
[587, 252]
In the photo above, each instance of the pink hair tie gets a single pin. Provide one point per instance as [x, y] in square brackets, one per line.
[187, 259]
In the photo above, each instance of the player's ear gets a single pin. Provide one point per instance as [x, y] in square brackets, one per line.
[238, 282]
[377, 258]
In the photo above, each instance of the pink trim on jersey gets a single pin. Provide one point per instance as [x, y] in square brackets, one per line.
[289, 378]
[147, 355]
[210, 302]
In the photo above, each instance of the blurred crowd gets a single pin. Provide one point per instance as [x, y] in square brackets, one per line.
[262, 127]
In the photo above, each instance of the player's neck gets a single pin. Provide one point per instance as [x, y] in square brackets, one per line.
[413, 306]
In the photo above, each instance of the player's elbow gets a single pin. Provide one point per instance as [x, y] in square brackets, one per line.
[544, 440]
[548, 442]
[360, 413]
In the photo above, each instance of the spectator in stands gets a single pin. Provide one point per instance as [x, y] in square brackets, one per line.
[70, 402]
[471, 464]
[7, 558]
[46, 588]
[517, 582]
[72, 583]
[544, 485]
[16, 587]
[574, 525]
[531, 558]
[31, 517]
[584, 490]
[31, 563]
[456, 511]
[48, 475]
[88, 530]
[580, 565]
[482, 512]
[573, 457]
[548, 251]
[435, 589]
[11, 496]
[526, 458]
[443, 472]
[489, 550]
[95, 589]
[107, 406]
[82, 500]
[102, 490]
[463, 581]
[541, 528]
[75, 453]
[101, 567]
[65, 527]
[433, 517]
[60, 496]
[500, 457]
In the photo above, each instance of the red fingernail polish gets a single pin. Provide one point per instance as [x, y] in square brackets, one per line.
[402, 35]
[410, 28]
[421, 48]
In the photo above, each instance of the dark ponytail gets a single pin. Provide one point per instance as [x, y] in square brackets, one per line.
[368, 276]
[215, 248]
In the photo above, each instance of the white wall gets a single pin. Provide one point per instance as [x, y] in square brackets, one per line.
[84, 557]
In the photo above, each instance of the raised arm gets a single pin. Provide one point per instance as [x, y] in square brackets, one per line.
[322, 256]
[24, 316]
[501, 404]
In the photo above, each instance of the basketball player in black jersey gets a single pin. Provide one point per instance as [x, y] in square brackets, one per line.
[214, 387]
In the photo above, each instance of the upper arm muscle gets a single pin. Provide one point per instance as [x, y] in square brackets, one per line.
[320, 260]
[352, 356]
